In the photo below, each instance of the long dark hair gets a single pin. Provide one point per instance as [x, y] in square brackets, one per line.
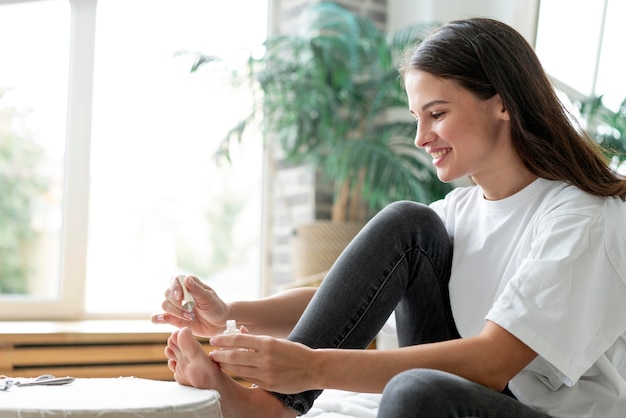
[488, 57]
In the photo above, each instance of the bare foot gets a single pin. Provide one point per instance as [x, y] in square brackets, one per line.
[193, 367]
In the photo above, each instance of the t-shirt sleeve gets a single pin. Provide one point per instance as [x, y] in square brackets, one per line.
[567, 299]
[447, 206]
[439, 206]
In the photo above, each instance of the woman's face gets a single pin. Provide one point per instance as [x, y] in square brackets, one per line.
[464, 135]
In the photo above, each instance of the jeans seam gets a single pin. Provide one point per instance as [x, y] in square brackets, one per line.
[440, 286]
[380, 288]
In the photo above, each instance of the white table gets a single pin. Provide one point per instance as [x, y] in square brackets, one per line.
[123, 397]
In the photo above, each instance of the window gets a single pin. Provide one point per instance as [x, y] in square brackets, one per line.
[33, 102]
[138, 195]
[611, 81]
[580, 44]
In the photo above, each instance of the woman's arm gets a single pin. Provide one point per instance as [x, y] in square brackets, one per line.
[274, 315]
[491, 359]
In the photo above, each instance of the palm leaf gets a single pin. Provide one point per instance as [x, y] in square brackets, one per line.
[607, 127]
[327, 93]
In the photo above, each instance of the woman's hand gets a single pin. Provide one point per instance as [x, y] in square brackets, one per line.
[211, 312]
[272, 364]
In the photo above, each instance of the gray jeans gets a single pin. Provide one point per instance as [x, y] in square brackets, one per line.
[399, 261]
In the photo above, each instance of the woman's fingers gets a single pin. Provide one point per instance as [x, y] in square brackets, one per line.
[271, 363]
[244, 340]
[209, 312]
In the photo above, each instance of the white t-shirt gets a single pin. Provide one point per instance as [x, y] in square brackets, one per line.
[548, 264]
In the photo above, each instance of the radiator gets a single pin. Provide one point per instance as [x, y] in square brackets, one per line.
[85, 349]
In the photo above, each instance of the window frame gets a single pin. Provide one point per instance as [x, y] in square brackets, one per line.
[72, 267]
[73, 254]
[596, 58]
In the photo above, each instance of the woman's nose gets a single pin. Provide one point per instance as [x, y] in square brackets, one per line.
[423, 135]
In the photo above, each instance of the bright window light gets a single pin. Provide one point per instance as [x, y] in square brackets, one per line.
[104, 198]
[568, 38]
[159, 204]
[33, 102]
[610, 81]
[580, 42]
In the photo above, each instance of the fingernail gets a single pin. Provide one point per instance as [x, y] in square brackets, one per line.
[211, 340]
[177, 294]
[160, 318]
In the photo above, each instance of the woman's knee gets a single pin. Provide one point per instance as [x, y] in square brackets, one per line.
[408, 209]
[431, 392]
[416, 216]
[416, 388]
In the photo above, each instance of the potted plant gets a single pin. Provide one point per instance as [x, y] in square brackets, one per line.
[607, 127]
[330, 96]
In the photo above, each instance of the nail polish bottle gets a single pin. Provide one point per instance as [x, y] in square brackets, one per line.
[231, 327]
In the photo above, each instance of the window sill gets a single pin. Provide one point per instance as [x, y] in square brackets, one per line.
[27, 332]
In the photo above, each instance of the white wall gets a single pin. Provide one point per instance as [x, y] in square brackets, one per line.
[521, 14]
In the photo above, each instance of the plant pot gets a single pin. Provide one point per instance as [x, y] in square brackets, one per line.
[316, 246]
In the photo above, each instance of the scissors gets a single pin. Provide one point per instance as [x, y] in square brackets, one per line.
[45, 379]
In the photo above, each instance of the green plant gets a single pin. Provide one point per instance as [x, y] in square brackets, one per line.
[19, 184]
[607, 127]
[330, 95]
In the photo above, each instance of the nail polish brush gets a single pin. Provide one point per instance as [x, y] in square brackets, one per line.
[188, 303]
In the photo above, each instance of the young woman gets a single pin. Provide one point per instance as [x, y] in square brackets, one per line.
[509, 295]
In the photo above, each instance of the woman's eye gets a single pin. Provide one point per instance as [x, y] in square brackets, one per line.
[437, 115]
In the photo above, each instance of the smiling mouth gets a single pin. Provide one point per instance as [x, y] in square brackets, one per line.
[438, 154]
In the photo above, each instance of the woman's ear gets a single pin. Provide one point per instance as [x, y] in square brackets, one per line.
[501, 109]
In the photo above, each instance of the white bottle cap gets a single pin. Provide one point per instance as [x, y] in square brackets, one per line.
[231, 326]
